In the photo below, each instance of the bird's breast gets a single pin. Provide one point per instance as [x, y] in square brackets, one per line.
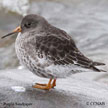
[28, 55]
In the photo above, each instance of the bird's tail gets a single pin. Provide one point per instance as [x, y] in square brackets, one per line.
[94, 64]
[98, 63]
[97, 70]
[87, 63]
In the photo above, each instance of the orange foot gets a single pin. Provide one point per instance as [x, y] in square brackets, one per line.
[45, 86]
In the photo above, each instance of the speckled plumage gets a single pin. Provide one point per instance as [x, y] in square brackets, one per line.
[48, 51]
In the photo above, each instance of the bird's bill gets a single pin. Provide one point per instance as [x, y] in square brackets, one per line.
[17, 30]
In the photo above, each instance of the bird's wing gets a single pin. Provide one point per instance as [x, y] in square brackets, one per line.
[63, 51]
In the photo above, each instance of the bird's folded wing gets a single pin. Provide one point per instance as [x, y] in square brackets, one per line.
[61, 50]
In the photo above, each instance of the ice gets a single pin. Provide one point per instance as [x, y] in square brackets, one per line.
[18, 88]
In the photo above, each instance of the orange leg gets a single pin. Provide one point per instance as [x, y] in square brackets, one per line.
[41, 84]
[44, 86]
[54, 83]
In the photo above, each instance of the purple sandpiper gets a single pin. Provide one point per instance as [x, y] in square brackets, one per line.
[48, 51]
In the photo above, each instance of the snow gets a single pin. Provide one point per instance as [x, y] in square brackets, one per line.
[18, 88]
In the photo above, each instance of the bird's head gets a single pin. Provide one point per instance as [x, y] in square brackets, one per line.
[28, 23]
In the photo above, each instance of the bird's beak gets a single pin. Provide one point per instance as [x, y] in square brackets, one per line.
[17, 30]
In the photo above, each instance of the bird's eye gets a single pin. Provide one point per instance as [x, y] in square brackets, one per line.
[28, 25]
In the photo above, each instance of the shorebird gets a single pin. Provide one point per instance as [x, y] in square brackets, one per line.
[48, 51]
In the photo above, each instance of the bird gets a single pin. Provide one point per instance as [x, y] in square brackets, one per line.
[48, 51]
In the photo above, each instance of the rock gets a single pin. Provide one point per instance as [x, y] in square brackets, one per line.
[16, 92]
[20, 7]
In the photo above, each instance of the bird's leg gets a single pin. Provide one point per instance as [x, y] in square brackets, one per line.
[46, 87]
[54, 83]
[41, 84]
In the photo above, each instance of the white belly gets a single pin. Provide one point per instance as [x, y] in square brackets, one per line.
[62, 71]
